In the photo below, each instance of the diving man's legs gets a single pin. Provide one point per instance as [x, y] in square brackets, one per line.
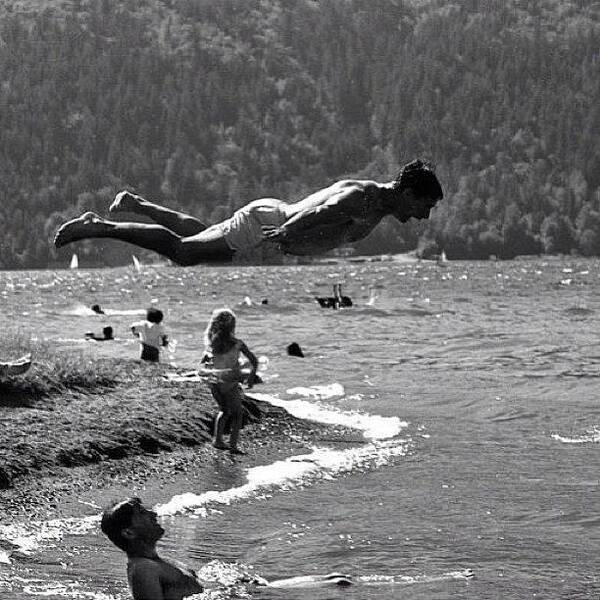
[179, 223]
[206, 246]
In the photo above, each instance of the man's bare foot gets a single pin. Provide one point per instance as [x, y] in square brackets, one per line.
[89, 224]
[221, 446]
[124, 202]
[236, 451]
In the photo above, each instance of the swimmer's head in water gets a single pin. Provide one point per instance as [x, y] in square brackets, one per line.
[154, 315]
[220, 331]
[129, 521]
[108, 332]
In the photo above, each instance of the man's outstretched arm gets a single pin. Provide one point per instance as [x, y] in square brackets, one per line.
[337, 210]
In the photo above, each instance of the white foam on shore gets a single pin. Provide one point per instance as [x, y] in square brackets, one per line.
[27, 537]
[319, 392]
[591, 437]
[295, 471]
[378, 580]
[374, 427]
[320, 464]
[292, 473]
[55, 589]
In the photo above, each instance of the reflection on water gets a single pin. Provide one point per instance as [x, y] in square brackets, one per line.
[492, 367]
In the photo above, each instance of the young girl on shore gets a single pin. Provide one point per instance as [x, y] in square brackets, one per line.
[221, 361]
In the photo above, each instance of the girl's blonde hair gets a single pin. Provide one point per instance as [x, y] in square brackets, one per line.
[219, 334]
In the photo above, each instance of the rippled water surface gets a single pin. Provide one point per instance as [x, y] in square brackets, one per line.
[490, 369]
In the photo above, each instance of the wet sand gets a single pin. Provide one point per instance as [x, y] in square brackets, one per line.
[70, 453]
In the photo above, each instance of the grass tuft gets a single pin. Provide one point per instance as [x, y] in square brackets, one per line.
[52, 371]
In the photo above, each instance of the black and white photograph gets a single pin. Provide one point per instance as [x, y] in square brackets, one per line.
[299, 299]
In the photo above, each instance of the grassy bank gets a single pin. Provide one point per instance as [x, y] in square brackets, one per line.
[60, 416]
[52, 373]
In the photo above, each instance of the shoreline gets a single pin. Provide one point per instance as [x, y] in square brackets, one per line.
[75, 452]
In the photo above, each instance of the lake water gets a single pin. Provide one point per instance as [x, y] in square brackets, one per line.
[487, 458]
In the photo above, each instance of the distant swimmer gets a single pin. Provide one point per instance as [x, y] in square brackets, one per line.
[133, 528]
[107, 334]
[294, 350]
[96, 308]
[341, 213]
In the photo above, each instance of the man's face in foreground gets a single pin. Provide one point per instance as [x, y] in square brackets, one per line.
[144, 524]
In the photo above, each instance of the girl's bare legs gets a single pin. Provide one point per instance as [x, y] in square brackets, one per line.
[206, 246]
[230, 404]
[218, 441]
[235, 423]
[179, 223]
[221, 418]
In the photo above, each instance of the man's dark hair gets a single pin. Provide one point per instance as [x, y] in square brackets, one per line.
[420, 178]
[154, 315]
[116, 518]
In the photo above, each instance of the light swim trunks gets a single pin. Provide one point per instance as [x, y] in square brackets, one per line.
[243, 230]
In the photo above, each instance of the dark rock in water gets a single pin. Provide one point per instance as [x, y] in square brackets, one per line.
[96, 308]
[264, 301]
[108, 333]
[294, 350]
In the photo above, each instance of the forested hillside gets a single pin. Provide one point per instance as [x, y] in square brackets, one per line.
[206, 104]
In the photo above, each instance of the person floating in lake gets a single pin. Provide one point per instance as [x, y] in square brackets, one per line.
[221, 363]
[107, 335]
[342, 213]
[151, 334]
[133, 528]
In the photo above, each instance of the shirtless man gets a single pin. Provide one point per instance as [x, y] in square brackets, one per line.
[342, 213]
[135, 529]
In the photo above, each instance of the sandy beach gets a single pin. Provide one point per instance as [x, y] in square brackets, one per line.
[74, 451]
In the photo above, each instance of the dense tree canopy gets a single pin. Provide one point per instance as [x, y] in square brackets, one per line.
[206, 104]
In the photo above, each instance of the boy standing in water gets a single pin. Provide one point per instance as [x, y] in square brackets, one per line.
[135, 530]
[151, 334]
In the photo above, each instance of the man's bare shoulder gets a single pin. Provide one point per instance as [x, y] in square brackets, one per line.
[345, 193]
[356, 184]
